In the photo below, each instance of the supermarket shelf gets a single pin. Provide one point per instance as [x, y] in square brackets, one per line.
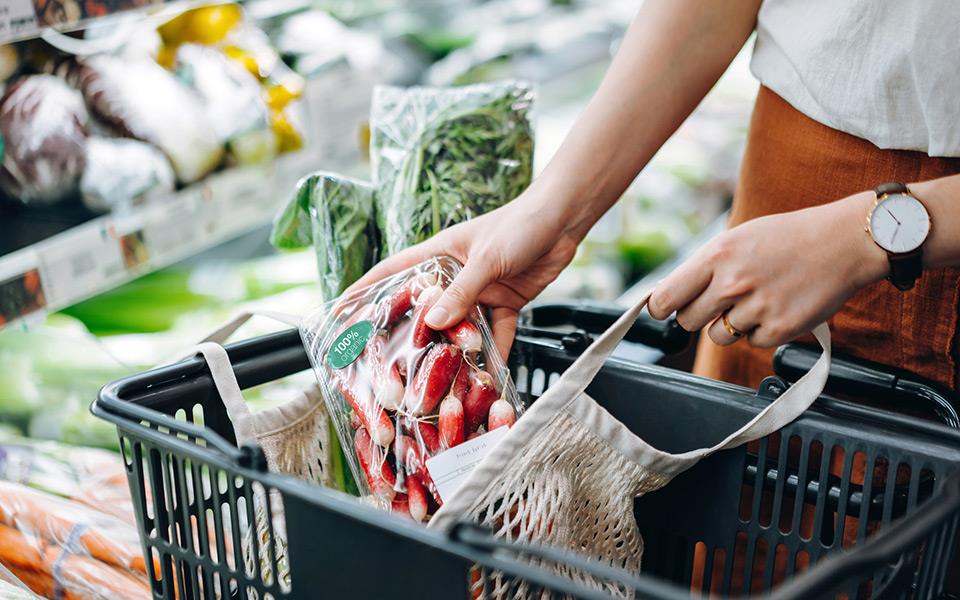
[107, 251]
[24, 19]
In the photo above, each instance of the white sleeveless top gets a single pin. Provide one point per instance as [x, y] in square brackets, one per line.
[886, 71]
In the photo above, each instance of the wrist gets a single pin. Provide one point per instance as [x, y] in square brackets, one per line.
[871, 263]
[564, 210]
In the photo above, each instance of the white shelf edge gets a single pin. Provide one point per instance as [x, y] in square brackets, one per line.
[108, 251]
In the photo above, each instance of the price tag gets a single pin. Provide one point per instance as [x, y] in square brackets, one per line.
[449, 469]
[17, 17]
[80, 263]
[22, 291]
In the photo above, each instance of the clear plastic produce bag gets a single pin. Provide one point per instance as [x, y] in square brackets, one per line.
[63, 549]
[335, 214]
[566, 475]
[414, 408]
[442, 156]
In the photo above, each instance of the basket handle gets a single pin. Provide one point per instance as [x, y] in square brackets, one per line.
[869, 379]
[783, 410]
[224, 378]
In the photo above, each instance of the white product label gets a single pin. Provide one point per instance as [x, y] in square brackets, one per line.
[449, 469]
[17, 17]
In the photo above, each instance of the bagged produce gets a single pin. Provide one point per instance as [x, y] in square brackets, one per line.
[335, 214]
[404, 397]
[90, 476]
[140, 99]
[62, 549]
[232, 99]
[120, 172]
[444, 155]
[43, 125]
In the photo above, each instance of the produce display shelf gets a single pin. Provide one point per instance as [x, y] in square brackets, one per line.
[25, 19]
[107, 251]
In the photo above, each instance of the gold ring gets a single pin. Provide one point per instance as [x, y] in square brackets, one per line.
[733, 331]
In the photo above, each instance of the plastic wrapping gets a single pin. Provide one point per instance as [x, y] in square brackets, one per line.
[444, 155]
[90, 476]
[120, 172]
[43, 126]
[233, 101]
[63, 549]
[401, 394]
[335, 214]
[142, 100]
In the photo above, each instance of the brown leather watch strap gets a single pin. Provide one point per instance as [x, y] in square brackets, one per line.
[905, 268]
[893, 187]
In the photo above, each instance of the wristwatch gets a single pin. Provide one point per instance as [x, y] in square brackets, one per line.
[899, 223]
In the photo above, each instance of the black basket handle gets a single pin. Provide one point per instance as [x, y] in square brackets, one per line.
[867, 379]
[591, 318]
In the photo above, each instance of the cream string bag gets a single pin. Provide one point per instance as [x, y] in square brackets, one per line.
[295, 438]
[567, 473]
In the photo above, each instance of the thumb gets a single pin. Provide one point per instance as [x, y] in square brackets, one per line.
[460, 296]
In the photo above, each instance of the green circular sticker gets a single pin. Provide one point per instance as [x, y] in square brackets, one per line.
[348, 345]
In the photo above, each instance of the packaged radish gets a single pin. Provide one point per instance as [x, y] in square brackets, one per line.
[419, 408]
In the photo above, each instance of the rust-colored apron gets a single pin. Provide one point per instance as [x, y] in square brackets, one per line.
[793, 162]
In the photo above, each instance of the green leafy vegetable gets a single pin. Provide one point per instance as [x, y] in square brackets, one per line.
[335, 214]
[445, 155]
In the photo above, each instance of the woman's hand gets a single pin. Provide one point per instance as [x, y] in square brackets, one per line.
[509, 256]
[775, 277]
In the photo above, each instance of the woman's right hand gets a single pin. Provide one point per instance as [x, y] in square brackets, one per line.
[509, 256]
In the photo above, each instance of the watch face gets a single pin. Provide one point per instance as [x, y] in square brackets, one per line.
[899, 223]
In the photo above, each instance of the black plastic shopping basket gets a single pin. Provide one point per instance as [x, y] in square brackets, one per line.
[787, 516]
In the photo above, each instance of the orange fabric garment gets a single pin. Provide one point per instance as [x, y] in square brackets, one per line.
[793, 162]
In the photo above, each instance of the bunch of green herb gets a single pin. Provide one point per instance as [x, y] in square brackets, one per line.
[445, 155]
[335, 215]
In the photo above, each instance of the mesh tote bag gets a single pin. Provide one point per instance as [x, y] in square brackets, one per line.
[295, 438]
[567, 472]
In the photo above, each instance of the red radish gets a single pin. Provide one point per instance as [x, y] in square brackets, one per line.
[410, 455]
[394, 307]
[433, 379]
[354, 420]
[387, 384]
[416, 499]
[461, 384]
[400, 505]
[501, 414]
[482, 393]
[430, 437]
[465, 335]
[451, 422]
[380, 476]
[371, 415]
[422, 333]
[474, 435]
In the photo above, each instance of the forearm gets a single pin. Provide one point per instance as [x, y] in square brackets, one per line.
[941, 197]
[672, 55]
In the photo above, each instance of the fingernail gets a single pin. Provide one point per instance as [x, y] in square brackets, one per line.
[437, 316]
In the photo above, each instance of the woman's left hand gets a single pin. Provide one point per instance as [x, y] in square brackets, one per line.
[775, 277]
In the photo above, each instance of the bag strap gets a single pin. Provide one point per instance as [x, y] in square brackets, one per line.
[790, 405]
[221, 370]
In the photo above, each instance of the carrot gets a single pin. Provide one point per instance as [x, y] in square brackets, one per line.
[55, 519]
[41, 583]
[17, 550]
[81, 577]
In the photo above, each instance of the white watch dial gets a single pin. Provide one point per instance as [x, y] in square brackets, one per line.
[899, 223]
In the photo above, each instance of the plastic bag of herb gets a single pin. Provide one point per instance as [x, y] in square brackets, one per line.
[335, 215]
[444, 155]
